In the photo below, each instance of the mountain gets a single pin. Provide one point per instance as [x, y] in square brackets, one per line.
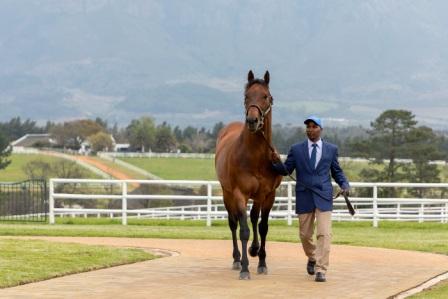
[186, 62]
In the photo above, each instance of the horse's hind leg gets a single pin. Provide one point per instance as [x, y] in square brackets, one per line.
[233, 224]
[263, 227]
[254, 214]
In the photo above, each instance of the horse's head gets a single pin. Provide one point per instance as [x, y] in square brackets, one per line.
[257, 101]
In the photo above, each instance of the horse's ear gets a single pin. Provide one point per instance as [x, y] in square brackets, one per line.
[266, 77]
[250, 76]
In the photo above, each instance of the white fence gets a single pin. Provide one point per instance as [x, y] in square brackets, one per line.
[371, 208]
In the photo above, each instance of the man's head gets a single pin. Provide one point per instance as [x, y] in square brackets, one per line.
[313, 128]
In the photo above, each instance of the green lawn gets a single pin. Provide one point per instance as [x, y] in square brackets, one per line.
[439, 291]
[25, 261]
[14, 172]
[429, 237]
[176, 168]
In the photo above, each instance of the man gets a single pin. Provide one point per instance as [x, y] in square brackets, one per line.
[314, 161]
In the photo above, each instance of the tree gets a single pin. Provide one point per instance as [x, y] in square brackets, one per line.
[15, 128]
[422, 147]
[141, 133]
[100, 141]
[189, 132]
[72, 134]
[5, 152]
[103, 123]
[40, 169]
[164, 139]
[387, 141]
[177, 132]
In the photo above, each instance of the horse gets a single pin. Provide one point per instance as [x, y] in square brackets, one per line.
[244, 169]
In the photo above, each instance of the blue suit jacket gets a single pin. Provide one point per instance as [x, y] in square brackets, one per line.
[298, 159]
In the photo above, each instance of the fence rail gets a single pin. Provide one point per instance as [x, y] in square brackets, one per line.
[208, 193]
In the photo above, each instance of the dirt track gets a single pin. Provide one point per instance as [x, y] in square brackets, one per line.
[115, 173]
[201, 269]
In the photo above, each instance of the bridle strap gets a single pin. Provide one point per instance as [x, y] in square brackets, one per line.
[262, 113]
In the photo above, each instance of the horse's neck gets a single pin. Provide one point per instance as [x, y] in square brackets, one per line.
[267, 129]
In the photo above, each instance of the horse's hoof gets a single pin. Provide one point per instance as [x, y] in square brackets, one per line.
[253, 251]
[244, 276]
[236, 266]
[262, 270]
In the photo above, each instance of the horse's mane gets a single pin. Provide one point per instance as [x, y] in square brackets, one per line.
[256, 81]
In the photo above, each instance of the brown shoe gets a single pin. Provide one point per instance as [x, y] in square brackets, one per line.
[320, 277]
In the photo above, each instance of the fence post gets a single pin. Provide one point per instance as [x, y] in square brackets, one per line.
[209, 204]
[124, 203]
[375, 205]
[441, 214]
[51, 202]
[289, 215]
[398, 211]
[446, 212]
[420, 213]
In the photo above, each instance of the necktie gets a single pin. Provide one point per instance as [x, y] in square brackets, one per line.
[313, 156]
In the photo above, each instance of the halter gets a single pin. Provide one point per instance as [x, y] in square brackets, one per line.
[262, 113]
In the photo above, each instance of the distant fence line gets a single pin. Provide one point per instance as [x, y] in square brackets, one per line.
[157, 155]
[369, 208]
[212, 156]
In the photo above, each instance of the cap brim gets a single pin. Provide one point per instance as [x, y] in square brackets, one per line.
[310, 119]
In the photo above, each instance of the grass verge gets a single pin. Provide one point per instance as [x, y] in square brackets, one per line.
[25, 261]
[428, 237]
[439, 291]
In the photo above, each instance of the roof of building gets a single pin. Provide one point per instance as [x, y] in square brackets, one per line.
[30, 140]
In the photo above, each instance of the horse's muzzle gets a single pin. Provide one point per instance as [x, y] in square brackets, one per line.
[252, 124]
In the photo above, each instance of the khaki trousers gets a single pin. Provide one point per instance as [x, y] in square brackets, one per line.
[321, 251]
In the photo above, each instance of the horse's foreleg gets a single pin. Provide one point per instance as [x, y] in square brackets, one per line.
[233, 224]
[254, 214]
[264, 227]
[244, 237]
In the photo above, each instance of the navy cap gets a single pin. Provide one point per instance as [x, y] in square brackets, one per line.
[314, 119]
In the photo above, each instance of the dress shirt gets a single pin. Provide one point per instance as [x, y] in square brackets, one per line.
[318, 150]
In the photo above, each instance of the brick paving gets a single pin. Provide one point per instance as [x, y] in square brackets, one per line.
[202, 269]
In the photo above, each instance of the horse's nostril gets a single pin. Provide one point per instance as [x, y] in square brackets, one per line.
[251, 120]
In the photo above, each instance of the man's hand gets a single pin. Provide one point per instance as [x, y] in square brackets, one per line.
[275, 157]
[345, 192]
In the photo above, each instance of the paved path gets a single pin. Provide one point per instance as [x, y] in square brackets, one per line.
[201, 269]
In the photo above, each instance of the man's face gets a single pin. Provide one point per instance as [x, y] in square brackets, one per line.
[313, 131]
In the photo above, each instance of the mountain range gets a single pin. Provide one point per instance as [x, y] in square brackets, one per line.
[186, 62]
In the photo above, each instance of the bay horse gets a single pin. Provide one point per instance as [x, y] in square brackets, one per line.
[244, 169]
